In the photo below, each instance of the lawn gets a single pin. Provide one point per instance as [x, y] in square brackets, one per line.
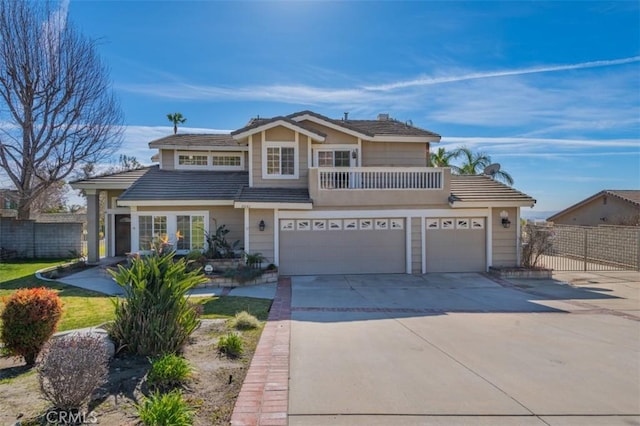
[84, 308]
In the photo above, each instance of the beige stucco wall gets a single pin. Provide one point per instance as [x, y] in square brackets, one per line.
[261, 241]
[615, 212]
[393, 198]
[394, 154]
[504, 240]
[332, 136]
[416, 245]
[167, 159]
[280, 134]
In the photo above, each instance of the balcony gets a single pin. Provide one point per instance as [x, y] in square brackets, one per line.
[379, 186]
[380, 178]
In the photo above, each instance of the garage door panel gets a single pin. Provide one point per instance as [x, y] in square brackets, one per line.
[456, 250]
[342, 252]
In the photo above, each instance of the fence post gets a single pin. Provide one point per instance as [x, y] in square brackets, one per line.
[586, 242]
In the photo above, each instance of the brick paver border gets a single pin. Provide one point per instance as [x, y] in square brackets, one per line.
[264, 396]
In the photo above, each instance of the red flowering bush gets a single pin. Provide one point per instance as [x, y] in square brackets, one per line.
[29, 319]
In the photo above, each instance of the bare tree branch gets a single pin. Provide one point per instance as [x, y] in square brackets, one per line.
[56, 98]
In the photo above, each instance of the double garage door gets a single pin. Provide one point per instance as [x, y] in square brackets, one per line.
[376, 245]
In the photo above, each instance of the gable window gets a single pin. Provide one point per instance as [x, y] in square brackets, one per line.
[280, 160]
[193, 160]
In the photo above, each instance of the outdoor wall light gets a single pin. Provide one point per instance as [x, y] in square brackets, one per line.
[354, 154]
[505, 219]
[261, 225]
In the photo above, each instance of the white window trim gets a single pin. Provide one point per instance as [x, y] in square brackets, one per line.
[280, 144]
[334, 148]
[172, 226]
[209, 155]
[179, 166]
[227, 154]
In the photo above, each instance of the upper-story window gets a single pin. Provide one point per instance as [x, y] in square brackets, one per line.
[210, 160]
[279, 161]
[192, 160]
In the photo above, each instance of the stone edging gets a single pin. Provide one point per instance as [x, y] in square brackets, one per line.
[264, 396]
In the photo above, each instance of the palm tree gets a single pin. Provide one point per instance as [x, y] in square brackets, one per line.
[441, 158]
[176, 118]
[474, 163]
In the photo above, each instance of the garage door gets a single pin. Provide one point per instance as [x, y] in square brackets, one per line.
[456, 245]
[342, 246]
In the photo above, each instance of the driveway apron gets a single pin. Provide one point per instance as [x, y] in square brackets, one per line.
[455, 349]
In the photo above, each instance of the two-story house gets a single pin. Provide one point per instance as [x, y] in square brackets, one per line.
[314, 195]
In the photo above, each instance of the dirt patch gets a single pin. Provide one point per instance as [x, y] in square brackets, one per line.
[211, 392]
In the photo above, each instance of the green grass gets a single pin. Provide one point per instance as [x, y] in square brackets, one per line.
[84, 308]
[227, 307]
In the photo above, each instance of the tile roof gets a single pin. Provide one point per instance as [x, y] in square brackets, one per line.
[213, 139]
[389, 127]
[629, 195]
[160, 184]
[274, 195]
[258, 122]
[119, 180]
[480, 188]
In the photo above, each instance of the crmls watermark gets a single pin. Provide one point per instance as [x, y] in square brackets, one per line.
[71, 417]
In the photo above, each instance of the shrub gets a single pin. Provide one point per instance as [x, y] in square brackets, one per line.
[168, 371]
[245, 321]
[536, 240]
[155, 316]
[29, 319]
[71, 369]
[168, 409]
[231, 345]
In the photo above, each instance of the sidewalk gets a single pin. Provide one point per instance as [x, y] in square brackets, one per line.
[98, 279]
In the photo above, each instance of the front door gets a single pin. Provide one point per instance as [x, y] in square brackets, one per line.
[123, 234]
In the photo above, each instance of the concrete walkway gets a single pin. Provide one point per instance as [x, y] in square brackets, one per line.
[98, 279]
[461, 349]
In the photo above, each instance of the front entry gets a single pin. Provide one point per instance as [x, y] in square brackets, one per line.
[123, 234]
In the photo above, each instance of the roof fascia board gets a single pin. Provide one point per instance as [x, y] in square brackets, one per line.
[353, 214]
[93, 185]
[474, 204]
[202, 148]
[277, 123]
[330, 125]
[272, 205]
[412, 139]
[156, 203]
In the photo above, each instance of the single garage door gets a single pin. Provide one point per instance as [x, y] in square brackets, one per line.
[342, 246]
[456, 245]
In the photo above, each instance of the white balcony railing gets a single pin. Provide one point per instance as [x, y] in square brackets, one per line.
[380, 178]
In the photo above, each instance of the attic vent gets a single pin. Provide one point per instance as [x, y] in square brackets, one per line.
[383, 117]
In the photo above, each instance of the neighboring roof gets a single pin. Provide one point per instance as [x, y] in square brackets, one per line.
[119, 180]
[259, 124]
[631, 196]
[196, 140]
[274, 195]
[483, 191]
[185, 185]
[372, 128]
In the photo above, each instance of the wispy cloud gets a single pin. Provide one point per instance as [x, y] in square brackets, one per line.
[427, 81]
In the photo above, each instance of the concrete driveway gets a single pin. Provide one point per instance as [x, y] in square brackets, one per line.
[461, 349]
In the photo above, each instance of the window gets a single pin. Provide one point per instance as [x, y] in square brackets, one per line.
[191, 232]
[279, 160]
[227, 161]
[193, 159]
[150, 227]
[340, 158]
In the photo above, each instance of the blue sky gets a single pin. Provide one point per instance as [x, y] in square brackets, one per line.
[551, 90]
